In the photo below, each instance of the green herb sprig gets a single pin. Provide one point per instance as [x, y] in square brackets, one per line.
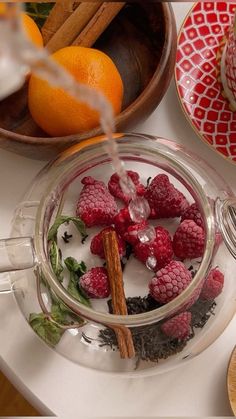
[47, 330]
[62, 219]
[55, 259]
[39, 12]
[43, 324]
[76, 271]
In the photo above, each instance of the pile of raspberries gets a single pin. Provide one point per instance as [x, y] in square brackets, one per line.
[97, 206]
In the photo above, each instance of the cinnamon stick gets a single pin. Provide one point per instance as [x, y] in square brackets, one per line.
[98, 24]
[73, 25]
[58, 15]
[123, 334]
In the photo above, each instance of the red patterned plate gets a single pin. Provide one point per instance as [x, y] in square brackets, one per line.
[200, 44]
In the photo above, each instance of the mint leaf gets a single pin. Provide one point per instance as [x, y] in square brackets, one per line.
[74, 266]
[45, 329]
[55, 259]
[79, 224]
[59, 314]
[74, 292]
[76, 270]
[38, 11]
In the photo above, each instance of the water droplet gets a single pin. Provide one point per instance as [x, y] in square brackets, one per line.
[139, 209]
[147, 235]
[151, 263]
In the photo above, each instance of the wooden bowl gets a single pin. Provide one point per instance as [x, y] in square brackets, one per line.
[141, 41]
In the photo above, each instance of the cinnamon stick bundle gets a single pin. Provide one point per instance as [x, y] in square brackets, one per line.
[98, 24]
[115, 275]
[58, 15]
[73, 25]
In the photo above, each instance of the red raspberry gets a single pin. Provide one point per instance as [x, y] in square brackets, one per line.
[96, 206]
[122, 221]
[179, 326]
[193, 213]
[192, 300]
[169, 282]
[160, 248]
[95, 283]
[131, 235]
[96, 245]
[189, 240]
[164, 199]
[115, 189]
[213, 285]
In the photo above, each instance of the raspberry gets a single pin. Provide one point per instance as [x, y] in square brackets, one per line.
[164, 199]
[213, 285]
[115, 189]
[95, 283]
[160, 248]
[131, 235]
[96, 206]
[96, 245]
[122, 221]
[192, 300]
[189, 240]
[169, 282]
[179, 326]
[193, 213]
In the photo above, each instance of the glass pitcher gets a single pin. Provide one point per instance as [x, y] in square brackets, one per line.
[85, 330]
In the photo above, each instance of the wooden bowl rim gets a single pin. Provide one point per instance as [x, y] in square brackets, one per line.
[133, 107]
[230, 369]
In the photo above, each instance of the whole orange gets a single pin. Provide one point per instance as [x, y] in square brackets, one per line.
[29, 25]
[32, 30]
[56, 112]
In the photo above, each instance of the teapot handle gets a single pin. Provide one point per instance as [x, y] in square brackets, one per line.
[226, 218]
[16, 254]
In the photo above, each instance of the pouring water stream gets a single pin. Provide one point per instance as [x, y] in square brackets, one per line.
[22, 56]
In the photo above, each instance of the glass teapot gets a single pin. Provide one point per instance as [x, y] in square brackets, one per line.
[49, 252]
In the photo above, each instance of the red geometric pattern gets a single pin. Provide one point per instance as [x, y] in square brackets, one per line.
[230, 61]
[200, 41]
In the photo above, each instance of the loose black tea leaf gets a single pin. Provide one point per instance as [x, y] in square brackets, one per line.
[150, 342]
[84, 238]
[201, 312]
[138, 305]
[148, 181]
[84, 336]
[128, 250]
[66, 237]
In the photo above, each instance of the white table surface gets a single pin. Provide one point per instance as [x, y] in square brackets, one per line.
[55, 385]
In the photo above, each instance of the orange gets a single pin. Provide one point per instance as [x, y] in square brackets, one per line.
[29, 26]
[2, 8]
[32, 30]
[56, 112]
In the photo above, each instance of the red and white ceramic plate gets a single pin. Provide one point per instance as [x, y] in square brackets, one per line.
[200, 44]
